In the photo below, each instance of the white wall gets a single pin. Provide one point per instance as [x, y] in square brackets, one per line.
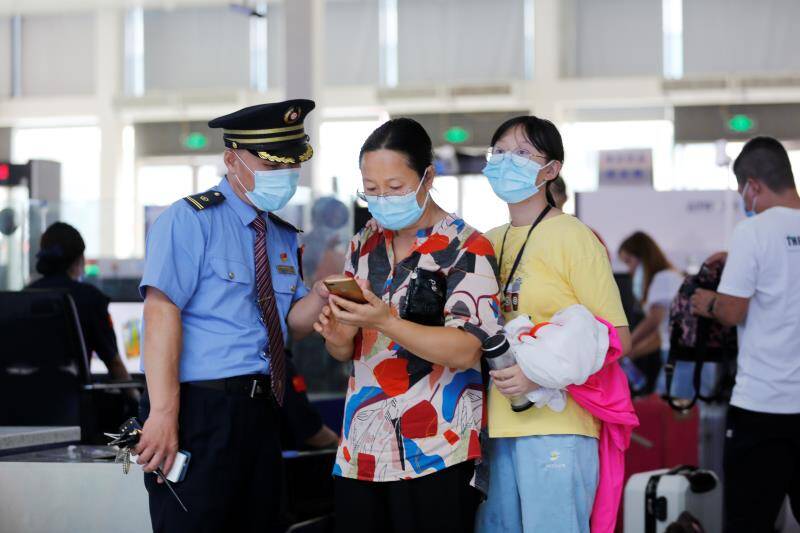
[276, 44]
[441, 42]
[460, 41]
[616, 38]
[78, 151]
[5, 57]
[197, 48]
[726, 36]
[351, 42]
[58, 54]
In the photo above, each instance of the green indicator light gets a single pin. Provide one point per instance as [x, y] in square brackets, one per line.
[456, 135]
[195, 141]
[741, 123]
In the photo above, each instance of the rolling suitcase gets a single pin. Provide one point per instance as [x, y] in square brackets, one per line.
[664, 437]
[653, 500]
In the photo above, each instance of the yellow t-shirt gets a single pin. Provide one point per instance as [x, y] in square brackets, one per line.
[564, 263]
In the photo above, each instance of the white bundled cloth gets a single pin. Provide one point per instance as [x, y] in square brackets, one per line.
[565, 352]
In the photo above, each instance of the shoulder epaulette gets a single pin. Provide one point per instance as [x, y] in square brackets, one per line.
[278, 220]
[205, 199]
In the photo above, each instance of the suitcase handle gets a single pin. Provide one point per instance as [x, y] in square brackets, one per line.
[652, 507]
[655, 508]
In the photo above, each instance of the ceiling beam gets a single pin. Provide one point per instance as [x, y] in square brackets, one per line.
[34, 7]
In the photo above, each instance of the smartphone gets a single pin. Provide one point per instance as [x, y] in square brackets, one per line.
[178, 471]
[346, 288]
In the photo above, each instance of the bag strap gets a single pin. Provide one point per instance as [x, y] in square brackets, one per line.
[725, 379]
[669, 366]
[669, 372]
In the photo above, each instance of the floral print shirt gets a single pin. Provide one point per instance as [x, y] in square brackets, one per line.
[406, 417]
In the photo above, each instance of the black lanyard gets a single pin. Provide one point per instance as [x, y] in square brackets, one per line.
[521, 250]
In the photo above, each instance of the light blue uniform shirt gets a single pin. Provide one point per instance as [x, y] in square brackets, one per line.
[203, 261]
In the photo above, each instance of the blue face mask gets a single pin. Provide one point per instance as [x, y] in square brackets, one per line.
[748, 212]
[637, 285]
[397, 212]
[273, 188]
[513, 177]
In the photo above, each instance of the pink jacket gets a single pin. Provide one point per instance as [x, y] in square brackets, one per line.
[606, 395]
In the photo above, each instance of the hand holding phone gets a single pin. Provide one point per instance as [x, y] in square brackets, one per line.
[346, 288]
[178, 471]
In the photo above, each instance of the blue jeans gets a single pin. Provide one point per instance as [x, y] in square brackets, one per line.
[541, 483]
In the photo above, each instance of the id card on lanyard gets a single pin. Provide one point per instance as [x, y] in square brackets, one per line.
[511, 298]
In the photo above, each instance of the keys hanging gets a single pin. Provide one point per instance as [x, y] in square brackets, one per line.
[125, 441]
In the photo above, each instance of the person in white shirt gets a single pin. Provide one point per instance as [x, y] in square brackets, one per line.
[655, 284]
[760, 293]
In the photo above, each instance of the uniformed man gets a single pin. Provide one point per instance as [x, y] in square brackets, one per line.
[222, 289]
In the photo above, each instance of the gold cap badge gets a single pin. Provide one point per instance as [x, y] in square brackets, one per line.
[292, 115]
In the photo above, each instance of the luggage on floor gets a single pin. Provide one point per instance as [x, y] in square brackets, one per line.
[664, 438]
[654, 500]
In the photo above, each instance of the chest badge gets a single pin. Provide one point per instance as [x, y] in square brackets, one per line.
[511, 297]
[286, 269]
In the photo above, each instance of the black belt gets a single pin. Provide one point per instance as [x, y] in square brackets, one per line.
[255, 386]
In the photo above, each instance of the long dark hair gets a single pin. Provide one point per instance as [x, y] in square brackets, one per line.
[60, 247]
[403, 135]
[653, 260]
[542, 134]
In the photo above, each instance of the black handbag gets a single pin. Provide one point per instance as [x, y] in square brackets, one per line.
[700, 340]
[425, 298]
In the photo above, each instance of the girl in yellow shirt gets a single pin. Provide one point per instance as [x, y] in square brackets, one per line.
[543, 463]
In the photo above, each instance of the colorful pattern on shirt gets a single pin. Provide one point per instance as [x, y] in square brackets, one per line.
[406, 417]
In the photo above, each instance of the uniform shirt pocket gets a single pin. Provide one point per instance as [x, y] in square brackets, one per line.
[284, 286]
[232, 270]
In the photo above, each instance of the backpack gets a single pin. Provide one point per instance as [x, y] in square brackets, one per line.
[700, 340]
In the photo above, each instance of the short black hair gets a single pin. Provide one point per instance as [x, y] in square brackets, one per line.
[60, 247]
[766, 160]
[403, 135]
[542, 134]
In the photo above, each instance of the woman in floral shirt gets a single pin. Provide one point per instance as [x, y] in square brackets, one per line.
[414, 403]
